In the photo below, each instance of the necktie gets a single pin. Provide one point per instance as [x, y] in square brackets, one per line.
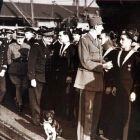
[61, 50]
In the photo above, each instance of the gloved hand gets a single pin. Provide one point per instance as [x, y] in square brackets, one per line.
[132, 97]
[2, 73]
[108, 90]
[114, 91]
[33, 83]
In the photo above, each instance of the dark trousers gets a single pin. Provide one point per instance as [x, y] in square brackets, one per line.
[107, 113]
[2, 88]
[20, 83]
[35, 94]
[89, 111]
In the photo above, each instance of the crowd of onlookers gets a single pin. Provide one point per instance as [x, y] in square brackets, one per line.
[60, 69]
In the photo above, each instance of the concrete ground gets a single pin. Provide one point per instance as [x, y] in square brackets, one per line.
[18, 126]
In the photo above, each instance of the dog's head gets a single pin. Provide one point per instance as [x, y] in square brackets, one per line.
[48, 114]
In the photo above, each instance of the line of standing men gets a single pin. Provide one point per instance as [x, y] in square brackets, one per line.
[33, 58]
[113, 71]
[33, 62]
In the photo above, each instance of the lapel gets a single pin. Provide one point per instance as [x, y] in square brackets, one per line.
[107, 52]
[96, 43]
[63, 48]
[131, 52]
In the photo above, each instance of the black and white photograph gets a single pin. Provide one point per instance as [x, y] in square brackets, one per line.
[69, 69]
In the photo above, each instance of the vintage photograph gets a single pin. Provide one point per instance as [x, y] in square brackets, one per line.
[69, 69]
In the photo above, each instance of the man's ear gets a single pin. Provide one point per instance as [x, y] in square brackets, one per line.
[95, 27]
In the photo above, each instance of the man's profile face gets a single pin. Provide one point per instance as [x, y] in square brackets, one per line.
[76, 37]
[125, 42]
[103, 38]
[61, 37]
[29, 35]
[99, 29]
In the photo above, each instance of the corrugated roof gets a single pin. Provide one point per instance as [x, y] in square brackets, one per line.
[41, 11]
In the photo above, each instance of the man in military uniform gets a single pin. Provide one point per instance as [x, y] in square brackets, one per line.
[89, 80]
[17, 59]
[9, 36]
[3, 66]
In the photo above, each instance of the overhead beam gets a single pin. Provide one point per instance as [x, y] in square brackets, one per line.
[63, 7]
[21, 12]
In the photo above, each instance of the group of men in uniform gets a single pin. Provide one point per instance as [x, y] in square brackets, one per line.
[40, 61]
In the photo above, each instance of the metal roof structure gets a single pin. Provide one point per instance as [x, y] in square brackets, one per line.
[41, 11]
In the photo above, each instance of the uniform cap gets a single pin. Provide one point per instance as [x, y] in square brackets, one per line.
[31, 30]
[96, 20]
[20, 33]
[9, 31]
[48, 33]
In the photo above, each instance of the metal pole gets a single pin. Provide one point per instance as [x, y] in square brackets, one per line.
[74, 2]
[90, 3]
[85, 3]
[20, 12]
[52, 9]
[32, 13]
[77, 8]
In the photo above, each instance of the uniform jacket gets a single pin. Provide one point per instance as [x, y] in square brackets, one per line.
[17, 56]
[52, 64]
[66, 61]
[111, 75]
[37, 61]
[129, 69]
[90, 71]
[3, 54]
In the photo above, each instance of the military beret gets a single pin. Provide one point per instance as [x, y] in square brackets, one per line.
[132, 34]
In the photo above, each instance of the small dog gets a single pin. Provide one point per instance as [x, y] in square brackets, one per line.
[51, 126]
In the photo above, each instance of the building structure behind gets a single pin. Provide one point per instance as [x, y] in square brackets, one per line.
[23, 13]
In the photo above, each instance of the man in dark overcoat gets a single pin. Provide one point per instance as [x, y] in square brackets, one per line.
[3, 67]
[36, 71]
